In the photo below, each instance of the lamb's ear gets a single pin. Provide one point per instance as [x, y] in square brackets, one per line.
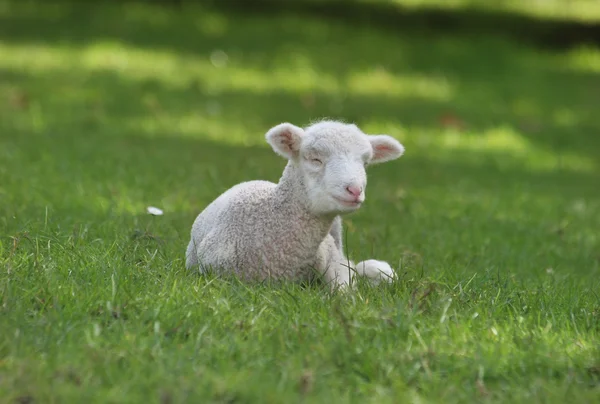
[285, 139]
[385, 148]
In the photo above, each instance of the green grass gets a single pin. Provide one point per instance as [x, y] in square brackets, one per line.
[491, 217]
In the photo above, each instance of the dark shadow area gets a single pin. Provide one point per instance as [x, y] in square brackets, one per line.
[553, 33]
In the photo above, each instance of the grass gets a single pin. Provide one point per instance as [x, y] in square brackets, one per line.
[491, 217]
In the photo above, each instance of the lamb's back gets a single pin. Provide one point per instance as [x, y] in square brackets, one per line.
[247, 230]
[231, 206]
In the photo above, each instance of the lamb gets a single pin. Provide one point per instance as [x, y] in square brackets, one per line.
[287, 231]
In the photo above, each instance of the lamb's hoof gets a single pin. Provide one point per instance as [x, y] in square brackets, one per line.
[376, 271]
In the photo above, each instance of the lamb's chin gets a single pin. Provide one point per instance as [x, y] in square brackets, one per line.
[347, 207]
[335, 208]
[348, 210]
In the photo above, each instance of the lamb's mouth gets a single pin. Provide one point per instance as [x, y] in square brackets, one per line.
[345, 202]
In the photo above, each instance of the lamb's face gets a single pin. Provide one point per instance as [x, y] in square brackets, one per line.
[331, 158]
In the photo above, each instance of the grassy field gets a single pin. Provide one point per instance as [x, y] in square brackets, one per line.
[491, 218]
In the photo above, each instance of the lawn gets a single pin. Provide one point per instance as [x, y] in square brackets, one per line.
[491, 218]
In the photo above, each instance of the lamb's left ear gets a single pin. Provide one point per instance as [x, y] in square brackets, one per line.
[385, 148]
[285, 139]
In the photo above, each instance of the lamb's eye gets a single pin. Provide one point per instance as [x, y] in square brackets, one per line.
[316, 161]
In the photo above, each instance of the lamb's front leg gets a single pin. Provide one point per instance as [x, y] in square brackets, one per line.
[375, 270]
[337, 271]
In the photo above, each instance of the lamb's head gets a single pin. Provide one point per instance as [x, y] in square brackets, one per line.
[330, 158]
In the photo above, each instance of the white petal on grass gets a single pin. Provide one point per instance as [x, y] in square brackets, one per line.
[154, 211]
[219, 58]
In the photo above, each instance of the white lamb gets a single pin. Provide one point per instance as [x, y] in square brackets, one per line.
[259, 230]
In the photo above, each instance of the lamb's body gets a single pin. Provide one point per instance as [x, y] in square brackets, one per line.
[258, 229]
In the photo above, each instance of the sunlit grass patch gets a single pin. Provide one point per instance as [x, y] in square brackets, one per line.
[207, 123]
[584, 59]
[379, 82]
[505, 144]
[515, 146]
[218, 71]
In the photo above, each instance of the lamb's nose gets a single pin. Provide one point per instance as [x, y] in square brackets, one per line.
[354, 190]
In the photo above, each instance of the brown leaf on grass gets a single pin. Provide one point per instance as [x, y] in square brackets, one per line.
[19, 99]
[308, 101]
[306, 382]
[451, 121]
[530, 126]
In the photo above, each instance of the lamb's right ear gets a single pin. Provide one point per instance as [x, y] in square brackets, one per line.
[285, 139]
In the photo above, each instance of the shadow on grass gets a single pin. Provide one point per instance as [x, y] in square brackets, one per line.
[473, 19]
[553, 33]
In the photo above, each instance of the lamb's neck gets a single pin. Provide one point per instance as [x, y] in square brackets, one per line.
[291, 193]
